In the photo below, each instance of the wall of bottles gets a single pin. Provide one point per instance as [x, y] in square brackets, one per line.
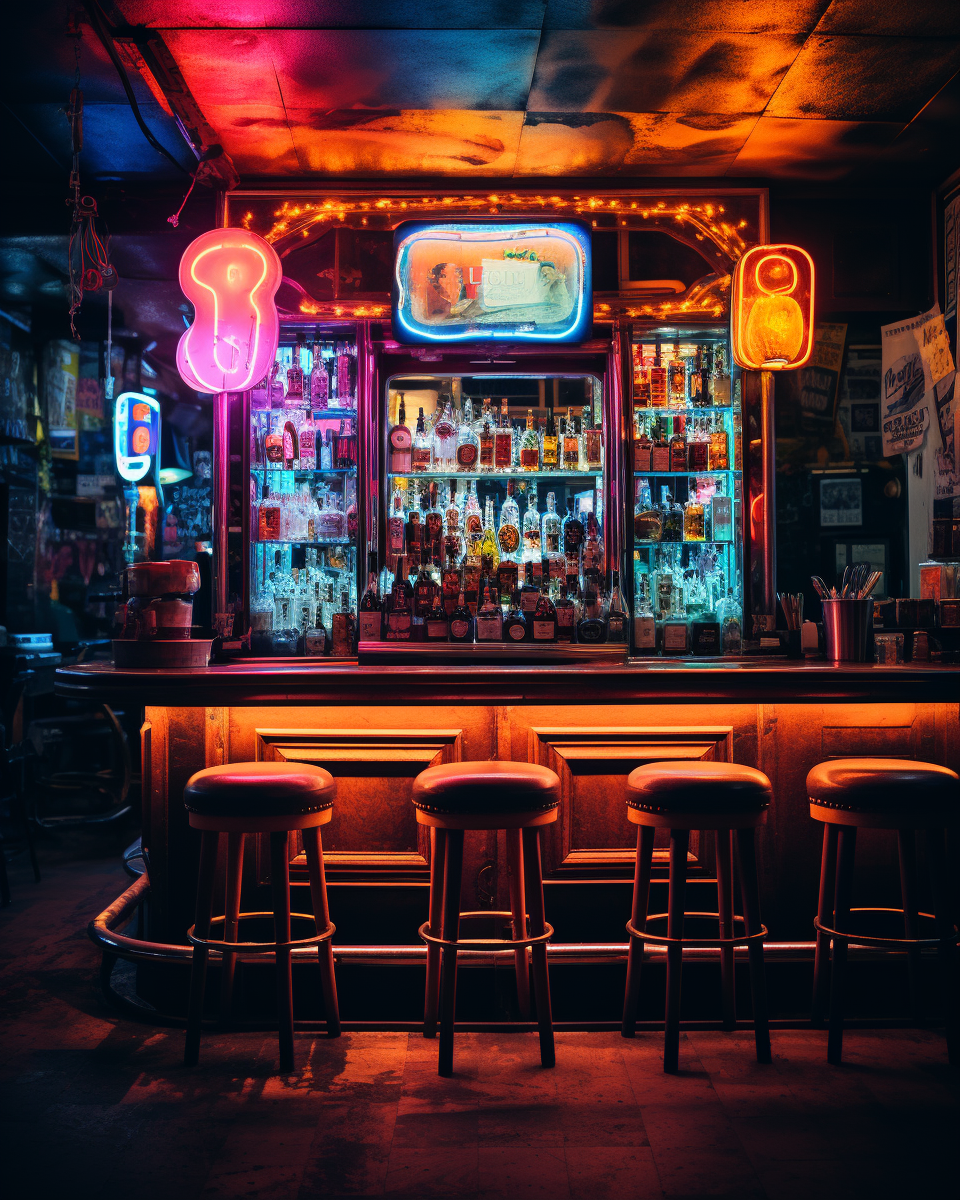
[688, 495]
[303, 499]
[494, 492]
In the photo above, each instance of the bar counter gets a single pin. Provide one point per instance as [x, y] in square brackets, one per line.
[376, 727]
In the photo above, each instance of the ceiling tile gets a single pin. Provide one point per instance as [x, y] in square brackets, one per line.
[918, 18]
[783, 147]
[690, 72]
[359, 68]
[406, 142]
[865, 78]
[726, 16]
[256, 136]
[333, 14]
[636, 143]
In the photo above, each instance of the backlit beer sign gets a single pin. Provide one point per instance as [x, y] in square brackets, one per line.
[772, 308]
[231, 276]
[473, 281]
[136, 435]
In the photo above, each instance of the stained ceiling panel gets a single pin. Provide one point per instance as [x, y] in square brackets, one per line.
[917, 18]
[720, 16]
[865, 78]
[784, 147]
[690, 72]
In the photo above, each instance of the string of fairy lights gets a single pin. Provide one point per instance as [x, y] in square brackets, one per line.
[702, 221]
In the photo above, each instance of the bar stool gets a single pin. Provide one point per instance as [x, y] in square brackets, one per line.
[848, 794]
[681, 796]
[518, 798]
[259, 797]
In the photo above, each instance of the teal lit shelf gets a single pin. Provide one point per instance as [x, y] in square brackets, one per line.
[331, 541]
[494, 476]
[689, 471]
[701, 410]
[317, 413]
[281, 471]
[647, 545]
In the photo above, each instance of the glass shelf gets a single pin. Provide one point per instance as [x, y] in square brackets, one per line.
[500, 474]
[282, 471]
[679, 410]
[317, 413]
[646, 545]
[330, 541]
[642, 474]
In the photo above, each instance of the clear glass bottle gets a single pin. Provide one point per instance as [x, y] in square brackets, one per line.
[677, 379]
[489, 554]
[478, 450]
[530, 446]
[571, 444]
[421, 456]
[295, 374]
[592, 455]
[591, 628]
[678, 446]
[647, 517]
[720, 377]
[730, 616]
[617, 616]
[721, 518]
[672, 518]
[531, 530]
[445, 438]
[503, 457]
[319, 381]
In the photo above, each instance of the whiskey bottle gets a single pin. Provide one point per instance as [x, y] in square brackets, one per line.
[618, 620]
[592, 456]
[720, 377]
[489, 555]
[677, 379]
[529, 593]
[268, 517]
[508, 535]
[693, 521]
[343, 629]
[660, 451]
[642, 447]
[571, 444]
[696, 380]
[396, 525]
[426, 591]
[438, 629]
[642, 397]
[705, 355]
[719, 452]
[550, 450]
[530, 446]
[461, 622]
[484, 457]
[658, 381]
[273, 445]
[678, 446]
[698, 450]
[401, 441]
[433, 526]
[566, 615]
[591, 628]
[371, 614]
[531, 530]
[451, 583]
[421, 455]
[399, 609]
[413, 532]
[489, 618]
[503, 440]
[544, 618]
[514, 624]
[572, 533]
[672, 519]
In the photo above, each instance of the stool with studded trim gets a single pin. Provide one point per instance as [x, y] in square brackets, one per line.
[247, 798]
[847, 794]
[681, 796]
[518, 798]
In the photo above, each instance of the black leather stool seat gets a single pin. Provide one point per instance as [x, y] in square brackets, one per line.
[693, 786]
[486, 787]
[884, 785]
[259, 790]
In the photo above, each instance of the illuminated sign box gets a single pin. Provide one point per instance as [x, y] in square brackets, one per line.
[473, 281]
[136, 435]
[772, 308]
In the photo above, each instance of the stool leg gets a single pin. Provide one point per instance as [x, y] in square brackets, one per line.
[280, 884]
[750, 891]
[846, 848]
[947, 950]
[198, 969]
[907, 846]
[231, 923]
[679, 843]
[725, 906]
[638, 919]
[533, 877]
[828, 884]
[438, 849]
[321, 911]
[449, 929]
[518, 906]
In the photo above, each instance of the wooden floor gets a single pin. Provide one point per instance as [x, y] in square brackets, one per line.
[97, 1106]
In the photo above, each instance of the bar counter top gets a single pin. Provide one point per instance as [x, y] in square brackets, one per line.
[282, 682]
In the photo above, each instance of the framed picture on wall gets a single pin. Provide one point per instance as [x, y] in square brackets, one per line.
[841, 502]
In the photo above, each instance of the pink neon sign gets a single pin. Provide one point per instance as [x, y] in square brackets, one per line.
[231, 276]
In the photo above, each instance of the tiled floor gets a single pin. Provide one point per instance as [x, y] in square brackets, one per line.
[100, 1107]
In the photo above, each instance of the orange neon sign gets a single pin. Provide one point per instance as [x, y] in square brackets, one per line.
[772, 308]
[231, 276]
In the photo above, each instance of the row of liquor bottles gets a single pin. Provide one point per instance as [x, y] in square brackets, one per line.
[323, 376]
[309, 609]
[456, 606]
[692, 376]
[678, 443]
[456, 439]
[706, 516]
[686, 600]
[299, 440]
[448, 526]
[303, 514]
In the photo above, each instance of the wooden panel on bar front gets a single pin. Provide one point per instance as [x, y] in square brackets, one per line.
[374, 828]
[593, 836]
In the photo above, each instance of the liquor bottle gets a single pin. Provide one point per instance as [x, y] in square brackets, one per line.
[592, 443]
[514, 623]
[484, 458]
[660, 451]
[720, 377]
[658, 380]
[508, 535]
[571, 444]
[437, 623]
[461, 622]
[544, 618]
[676, 636]
[445, 441]
[694, 523]
[529, 593]
[425, 592]
[591, 628]
[721, 519]
[268, 517]
[618, 619]
[678, 446]
[642, 446]
[489, 617]
[672, 518]
[307, 443]
[433, 526]
[413, 530]
[644, 625]
[421, 456]
[401, 441]
[341, 641]
[396, 525]
[347, 445]
[572, 533]
[450, 583]
[706, 374]
[550, 449]
[730, 616]
[530, 446]
[677, 379]
[295, 374]
[273, 445]
[696, 380]
[319, 381]
[503, 440]
[550, 541]
[347, 375]
[291, 446]
[642, 397]
[315, 642]
[489, 555]
[698, 449]
[275, 385]
[719, 450]
[452, 539]
[399, 611]
[371, 614]
[531, 530]
[591, 555]
[567, 616]
[647, 517]
[472, 524]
